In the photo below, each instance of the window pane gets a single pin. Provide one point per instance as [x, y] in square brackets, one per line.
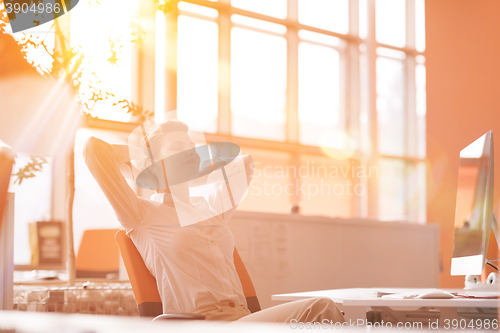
[32, 203]
[416, 195]
[258, 85]
[390, 21]
[390, 106]
[421, 108]
[197, 73]
[392, 197]
[114, 32]
[319, 95]
[332, 15]
[271, 186]
[420, 25]
[276, 8]
[326, 186]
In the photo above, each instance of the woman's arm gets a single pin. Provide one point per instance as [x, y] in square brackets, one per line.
[125, 154]
[103, 161]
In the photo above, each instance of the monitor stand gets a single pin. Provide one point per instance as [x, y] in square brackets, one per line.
[487, 286]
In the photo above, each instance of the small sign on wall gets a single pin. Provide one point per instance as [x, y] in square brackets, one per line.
[46, 242]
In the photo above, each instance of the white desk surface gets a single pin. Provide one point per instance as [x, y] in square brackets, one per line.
[43, 322]
[361, 297]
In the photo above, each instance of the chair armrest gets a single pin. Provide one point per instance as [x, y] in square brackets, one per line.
[180, 316]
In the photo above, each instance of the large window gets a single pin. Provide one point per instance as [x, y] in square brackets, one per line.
[328, 95]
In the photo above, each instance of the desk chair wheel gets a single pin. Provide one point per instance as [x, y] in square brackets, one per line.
[180, 316]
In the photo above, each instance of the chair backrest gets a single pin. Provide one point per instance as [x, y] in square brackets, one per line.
[98, 254]
[144, 284]
[246, 282]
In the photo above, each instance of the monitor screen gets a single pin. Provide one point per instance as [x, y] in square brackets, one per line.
[473, 212]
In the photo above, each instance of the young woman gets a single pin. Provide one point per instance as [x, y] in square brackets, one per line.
[193, 264]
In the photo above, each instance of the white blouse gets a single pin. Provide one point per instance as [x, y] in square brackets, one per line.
[193, 264]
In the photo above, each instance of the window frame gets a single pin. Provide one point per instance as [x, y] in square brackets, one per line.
[363, 206]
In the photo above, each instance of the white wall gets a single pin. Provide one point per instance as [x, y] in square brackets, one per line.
[292, 253]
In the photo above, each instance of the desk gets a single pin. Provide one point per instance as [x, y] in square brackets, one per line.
[43, 322]
[356, 302]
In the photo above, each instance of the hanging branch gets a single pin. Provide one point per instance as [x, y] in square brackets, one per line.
[3, 17]
[135, 110]
[138, 32]
[28, 171]
[115, 49]
[75, 66]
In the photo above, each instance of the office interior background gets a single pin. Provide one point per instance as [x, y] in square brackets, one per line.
[354, 111]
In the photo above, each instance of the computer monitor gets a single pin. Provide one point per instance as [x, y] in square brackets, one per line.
[474, 215]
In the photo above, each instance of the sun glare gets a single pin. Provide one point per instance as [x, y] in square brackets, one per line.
[338, 145]
[108, 49]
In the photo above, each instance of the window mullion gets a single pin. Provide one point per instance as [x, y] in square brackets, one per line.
[354, 18]
[224, 115]
[60, 170]
[351, 95]
[410, 24]
[292, 99]
[292, 76]
[372, 159]
[144, 84]
[410, 93]
[411, 120]
[143, 61]
[171, 60]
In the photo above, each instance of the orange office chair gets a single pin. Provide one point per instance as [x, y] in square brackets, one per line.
[98, 255]
[144, 284]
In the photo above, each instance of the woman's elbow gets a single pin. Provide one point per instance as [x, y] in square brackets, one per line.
[92, 148]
